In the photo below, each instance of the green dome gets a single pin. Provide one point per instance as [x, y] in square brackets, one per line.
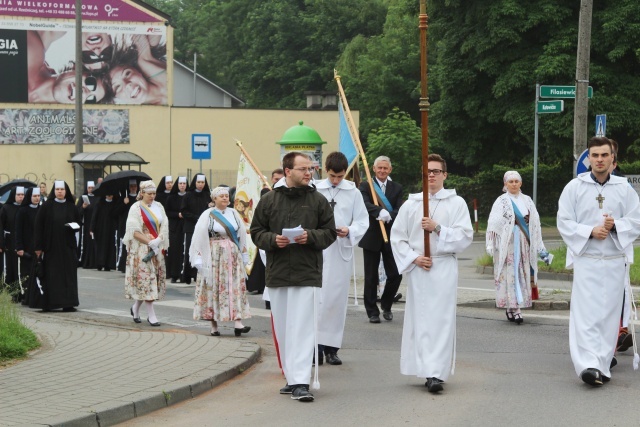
[301, 134]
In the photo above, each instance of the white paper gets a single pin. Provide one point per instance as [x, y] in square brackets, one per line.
[74, 226]
[85, 198]
[292, 233]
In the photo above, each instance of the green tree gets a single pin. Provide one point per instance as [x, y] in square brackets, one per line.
[400, 139]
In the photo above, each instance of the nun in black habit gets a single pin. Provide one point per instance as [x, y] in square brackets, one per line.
[104, 227]
[57, 223]
[8, 214]
[164, 189]
[176, 229]
[25, 226]
[196, 201]
[87, 248]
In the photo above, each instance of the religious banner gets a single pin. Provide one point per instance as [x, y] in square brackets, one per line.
[346, 144]
[248, 187]
[96, 10]
[121, 64]
[26, 126]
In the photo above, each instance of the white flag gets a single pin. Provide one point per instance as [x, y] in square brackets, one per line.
[248, 189]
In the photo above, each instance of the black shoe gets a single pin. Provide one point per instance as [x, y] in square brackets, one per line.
[397, 297]
[302, 394]
[592, 377]
[374, 319]
[388, 315]
[510, 317]
[135, 319]
[320, 359]
[240, 331]
[517, 317]
[215, 334]
[434, 385]
[605, 379]
[624, 341]
[69, 309]
[614, 362]
[333, 359]
[287, 389]
[153, 324]
[267, 305]
[174, 280]
[107, 269]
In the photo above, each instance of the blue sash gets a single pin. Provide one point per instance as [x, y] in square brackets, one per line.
[382, 197]
[521, 224]
[231, 232]
[520, 221]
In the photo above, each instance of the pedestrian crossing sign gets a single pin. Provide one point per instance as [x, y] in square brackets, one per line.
[601, 124]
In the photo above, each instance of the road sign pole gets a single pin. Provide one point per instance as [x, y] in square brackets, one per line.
[535, 148]
[200, 165]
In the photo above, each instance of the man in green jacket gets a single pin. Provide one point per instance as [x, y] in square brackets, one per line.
[294, 267]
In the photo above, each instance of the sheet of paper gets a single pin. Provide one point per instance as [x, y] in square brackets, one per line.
[292, 233]
[85, 198]
[74, 225]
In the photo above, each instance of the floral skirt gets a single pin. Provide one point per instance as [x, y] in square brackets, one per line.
[505, 280]
[225, 299]
[144, 280]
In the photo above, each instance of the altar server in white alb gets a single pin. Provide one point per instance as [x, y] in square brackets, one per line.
[352, 221]
[429, 332]
[598, 218]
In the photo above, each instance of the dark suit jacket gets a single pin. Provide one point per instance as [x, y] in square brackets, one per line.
[372, 239]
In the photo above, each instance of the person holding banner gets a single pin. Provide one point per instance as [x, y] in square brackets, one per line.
[146, 239]
[352, 221]
[514, 239]
[429, 330]
[373, 246]
[196, 201]
[219, 252]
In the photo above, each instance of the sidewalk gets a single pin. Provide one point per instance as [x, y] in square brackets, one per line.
[90, 375]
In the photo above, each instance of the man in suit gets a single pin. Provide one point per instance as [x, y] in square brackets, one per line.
[389, 196]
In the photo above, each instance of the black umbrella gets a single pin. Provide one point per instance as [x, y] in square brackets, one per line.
[6, 188]
[116, 182]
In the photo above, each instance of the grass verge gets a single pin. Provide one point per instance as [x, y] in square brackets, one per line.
[559, 261]
[15, 338]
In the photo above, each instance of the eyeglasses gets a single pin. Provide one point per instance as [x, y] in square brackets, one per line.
[89, 57]
[434, 171]
[303, 170]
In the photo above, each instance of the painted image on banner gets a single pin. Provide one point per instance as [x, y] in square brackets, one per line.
[120, 64]
[27, 126]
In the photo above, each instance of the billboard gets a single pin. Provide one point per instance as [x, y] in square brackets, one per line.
[96, 10]
[31, 126]
[121, 63]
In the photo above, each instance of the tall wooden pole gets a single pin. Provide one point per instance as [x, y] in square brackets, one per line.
[581, 112]
[253, 165]
[356, 139]
[424, 115]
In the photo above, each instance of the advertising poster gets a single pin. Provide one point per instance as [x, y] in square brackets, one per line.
[27, 126]
[121, 64]
[96, 10]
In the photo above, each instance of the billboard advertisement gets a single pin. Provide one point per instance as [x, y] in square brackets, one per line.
[31, 126]
[96, 10]
[121, 63]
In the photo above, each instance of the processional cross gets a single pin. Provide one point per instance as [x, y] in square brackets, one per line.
[600, 199]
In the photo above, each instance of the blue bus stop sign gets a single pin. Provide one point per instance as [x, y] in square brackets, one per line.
[582, 165]
[201, 146]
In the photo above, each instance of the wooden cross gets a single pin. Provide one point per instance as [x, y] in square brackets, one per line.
[600, 199]
[333, 203]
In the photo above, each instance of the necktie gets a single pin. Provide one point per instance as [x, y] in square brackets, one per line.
[384, 188]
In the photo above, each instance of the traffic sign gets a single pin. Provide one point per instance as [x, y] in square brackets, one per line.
[201, 146]
[582, 165]
[561, 92]
[601, 124]
[545, 107]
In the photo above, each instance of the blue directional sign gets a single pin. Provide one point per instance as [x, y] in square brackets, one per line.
[582, 165]
[601, 125]
[201, 146]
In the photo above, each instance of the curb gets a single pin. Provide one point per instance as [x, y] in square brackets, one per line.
[541, 305]
[142, 403]
[568, 277]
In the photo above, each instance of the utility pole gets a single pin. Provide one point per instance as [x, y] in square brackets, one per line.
[79, 176]
[582, 80]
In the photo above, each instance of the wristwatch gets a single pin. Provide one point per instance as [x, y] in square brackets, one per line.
[437, 229]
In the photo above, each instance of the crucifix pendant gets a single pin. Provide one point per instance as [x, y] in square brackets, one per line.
[600, 199]
[333, 204]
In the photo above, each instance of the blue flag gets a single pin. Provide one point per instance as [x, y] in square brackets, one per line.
[347, 146]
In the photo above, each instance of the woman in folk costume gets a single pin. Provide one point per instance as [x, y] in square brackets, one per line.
[219, 251]
[514, 239]
[146, 239]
